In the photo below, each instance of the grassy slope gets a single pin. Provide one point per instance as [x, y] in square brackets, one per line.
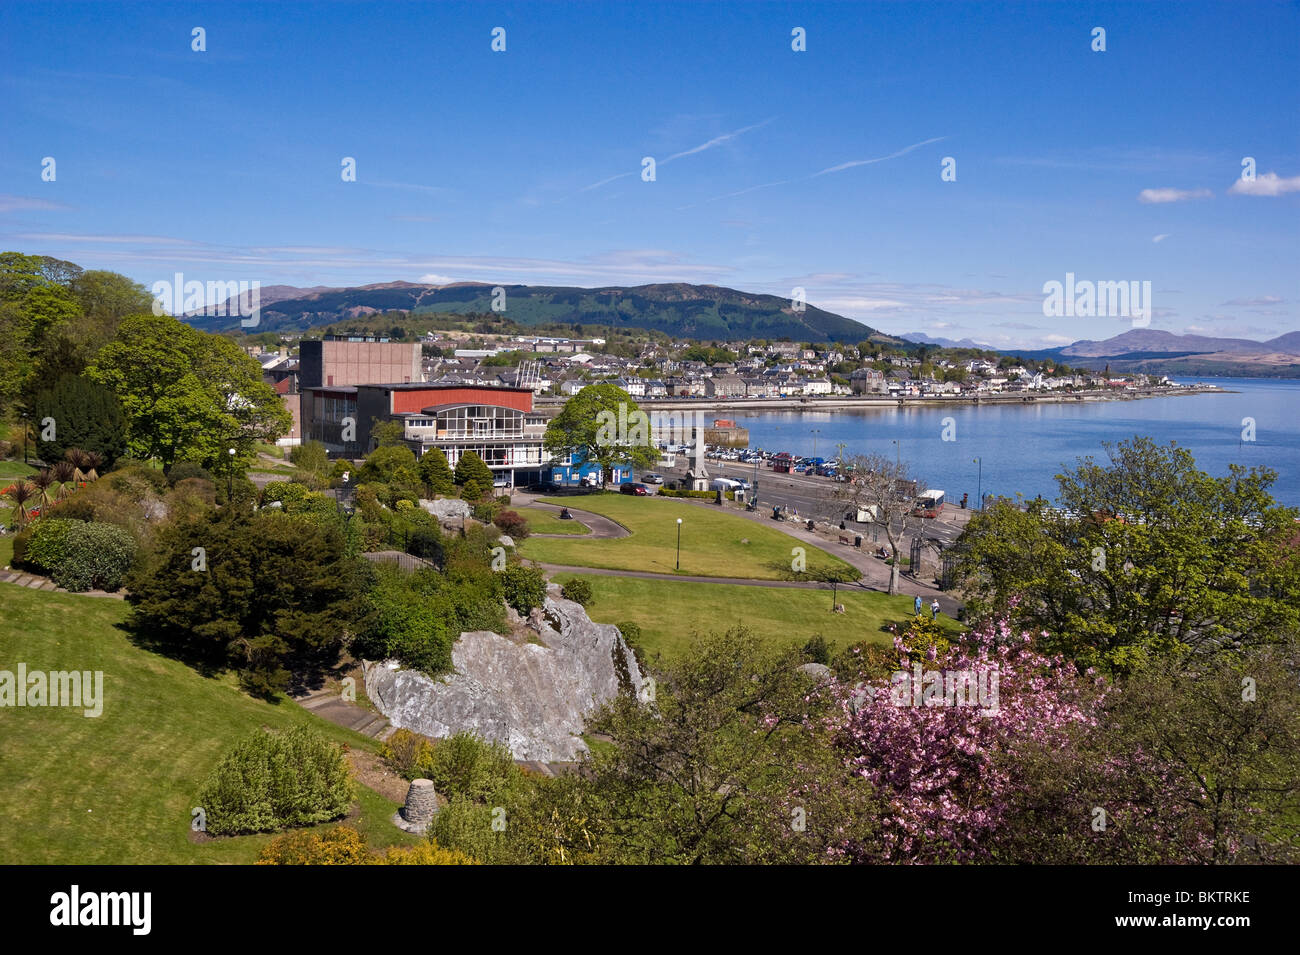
[670, 612]
[711, 541]
[119, 788]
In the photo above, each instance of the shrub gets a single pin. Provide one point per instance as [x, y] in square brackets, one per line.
[577, 590]
[79, 507]
[472, 491]
[274, 781]
[21, 540]
[184, 470]
[486, 511]
[523, 587]
[470, 467]
[818, 650]
[407, 754]
[466, 826]
[465, 766]
[340, 845]
[130, 476]
[97, 556]
[512, 523]
[290, 496]
[426, 853]
[47, 546]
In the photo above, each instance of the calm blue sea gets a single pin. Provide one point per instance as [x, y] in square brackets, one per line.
[1024, 446]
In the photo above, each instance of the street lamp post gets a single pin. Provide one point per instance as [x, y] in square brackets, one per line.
[24, 437]
[898, 456]
[230, 477]
[815, 432]
[679, 543]
[979, 487]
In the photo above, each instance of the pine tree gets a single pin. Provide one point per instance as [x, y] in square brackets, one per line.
[470, 467]
[435, 472]
[84, 415]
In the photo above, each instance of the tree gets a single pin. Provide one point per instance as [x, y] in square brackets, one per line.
[1145, 555]
[936, 758]
[470, 467]
[34, 306]
[387, 434]
[266, 594]
[435, 472]
[723, 765]
[187, 395]
[602, 424]
[86, 415]
[881, 488]
[384, 462]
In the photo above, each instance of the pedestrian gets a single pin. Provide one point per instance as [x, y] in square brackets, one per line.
[917, 605]
[934, 609]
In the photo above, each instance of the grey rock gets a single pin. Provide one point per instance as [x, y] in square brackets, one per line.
[505, 540]
[448, 509]
[533, 698]
[819, 672]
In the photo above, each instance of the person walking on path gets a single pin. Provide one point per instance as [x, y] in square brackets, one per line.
[934, 608]
[917, 605]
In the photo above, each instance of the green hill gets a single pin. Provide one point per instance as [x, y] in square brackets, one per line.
[682, 311]
[118, 788]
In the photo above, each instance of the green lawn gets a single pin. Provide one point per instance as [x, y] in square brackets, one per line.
[714, 543]
[671, 612]
[542, 521]
[14, 469]
[118, 788]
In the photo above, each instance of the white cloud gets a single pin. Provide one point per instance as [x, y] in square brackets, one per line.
[1161, 237]
[25, 203]
[434, 279]
[1172, 195]
[1269, 184]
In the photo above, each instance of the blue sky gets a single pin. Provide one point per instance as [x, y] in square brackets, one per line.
[775, 168]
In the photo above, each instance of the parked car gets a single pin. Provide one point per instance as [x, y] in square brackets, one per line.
[652, 478]
[633, 487]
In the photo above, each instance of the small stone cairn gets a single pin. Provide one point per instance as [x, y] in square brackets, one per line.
[421, 804]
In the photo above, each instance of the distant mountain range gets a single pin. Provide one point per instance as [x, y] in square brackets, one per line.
[708, 312]
[712, 312]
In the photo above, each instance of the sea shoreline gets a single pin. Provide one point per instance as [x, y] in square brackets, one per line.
[843, 403]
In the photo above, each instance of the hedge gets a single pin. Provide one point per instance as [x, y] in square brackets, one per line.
[96, 556]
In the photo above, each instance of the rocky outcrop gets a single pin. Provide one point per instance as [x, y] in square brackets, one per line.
[533, 697]
[448, 509]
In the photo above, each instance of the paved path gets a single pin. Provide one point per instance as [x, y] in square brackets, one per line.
[601, 527]
[329, 705]
[36, 582]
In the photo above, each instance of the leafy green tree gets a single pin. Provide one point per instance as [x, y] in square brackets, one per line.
[1146, 555]
[470, 467]
[722, 763]
[86, 415]
[436, 473]
[34, 306]
[387, 434]
[187, 395]
[602, 424]
[384, 462]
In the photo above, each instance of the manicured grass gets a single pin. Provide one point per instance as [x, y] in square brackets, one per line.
[6, 548]
[714, 543]
[548, 522]
[118, 788]
[15, 469]
[671, 612]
